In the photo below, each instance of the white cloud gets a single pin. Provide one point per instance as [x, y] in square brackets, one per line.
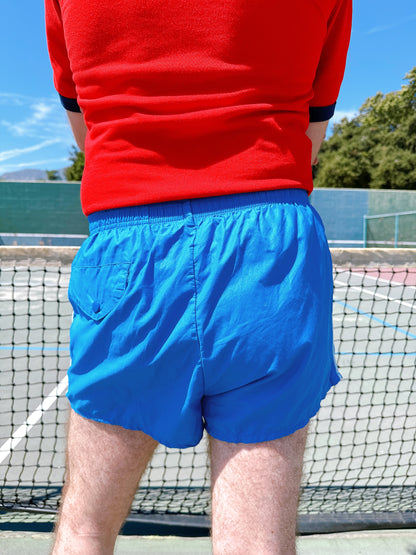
[30, 126]
[34, 164]
[341, 114]
[13, 153]
[25, 117]
[392, 25]
[13, 99]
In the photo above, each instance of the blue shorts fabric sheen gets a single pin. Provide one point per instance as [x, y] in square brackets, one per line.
[208, 313]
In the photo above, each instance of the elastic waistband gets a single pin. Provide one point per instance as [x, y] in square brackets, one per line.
[198, 207]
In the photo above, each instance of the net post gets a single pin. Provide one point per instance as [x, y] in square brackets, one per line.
[396, 231]
[364, 231]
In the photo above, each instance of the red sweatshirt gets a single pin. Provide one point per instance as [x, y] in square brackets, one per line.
[186, 99]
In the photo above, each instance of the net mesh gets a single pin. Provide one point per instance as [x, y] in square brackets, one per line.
[361, 454]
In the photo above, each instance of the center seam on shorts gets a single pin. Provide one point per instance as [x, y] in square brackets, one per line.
[196, 300]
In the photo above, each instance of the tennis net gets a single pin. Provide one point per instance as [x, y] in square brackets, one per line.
[360, 463]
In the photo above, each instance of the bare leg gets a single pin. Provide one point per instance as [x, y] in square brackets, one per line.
[255, 493]
[104, 466]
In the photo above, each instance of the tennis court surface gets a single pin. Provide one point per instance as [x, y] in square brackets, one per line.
[365, 543]
[360, 464]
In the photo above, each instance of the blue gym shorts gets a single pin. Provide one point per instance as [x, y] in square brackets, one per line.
[208, 313]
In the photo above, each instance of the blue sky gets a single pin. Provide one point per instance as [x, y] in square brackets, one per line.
[34, 132]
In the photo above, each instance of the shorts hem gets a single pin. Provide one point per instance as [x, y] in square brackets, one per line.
[155, 436]
[258, 439]
[271, 435]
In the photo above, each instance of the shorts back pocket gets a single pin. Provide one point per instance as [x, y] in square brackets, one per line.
[95, 291]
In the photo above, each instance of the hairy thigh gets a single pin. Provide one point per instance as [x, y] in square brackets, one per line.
[104, 465]
[255, 490]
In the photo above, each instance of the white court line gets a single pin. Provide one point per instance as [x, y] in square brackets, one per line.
[389, 281]
[379, 295]
[33, 419]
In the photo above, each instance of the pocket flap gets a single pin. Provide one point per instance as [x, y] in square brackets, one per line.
[97, 290]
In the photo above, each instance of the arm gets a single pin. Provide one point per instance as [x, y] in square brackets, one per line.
[79, 129]
[62, 73]
[316, 133]
[329, 73]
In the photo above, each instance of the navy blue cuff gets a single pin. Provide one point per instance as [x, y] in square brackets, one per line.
[321, 113]
[70, 104]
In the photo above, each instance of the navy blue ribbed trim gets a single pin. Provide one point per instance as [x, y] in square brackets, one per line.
[321, 113]
[70, 104]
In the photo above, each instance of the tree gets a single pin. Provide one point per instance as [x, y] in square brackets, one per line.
[52, 175]
[377, 148]
[74, 172]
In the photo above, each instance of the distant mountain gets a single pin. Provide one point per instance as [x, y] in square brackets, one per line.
[29, 175]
